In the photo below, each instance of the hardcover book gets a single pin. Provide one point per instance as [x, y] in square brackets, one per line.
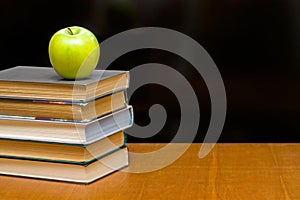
[78, 173]
[30, 82]
[74, 111]
[60, 152]
[22, 128]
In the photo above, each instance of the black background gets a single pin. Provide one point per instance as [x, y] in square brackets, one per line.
[254, 43]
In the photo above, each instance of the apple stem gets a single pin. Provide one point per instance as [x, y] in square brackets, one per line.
[71, 32]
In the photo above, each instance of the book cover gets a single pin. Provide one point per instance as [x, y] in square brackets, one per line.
[73, 111]
[25, 128]
[77, 173]
[61, 152]
[44, 83]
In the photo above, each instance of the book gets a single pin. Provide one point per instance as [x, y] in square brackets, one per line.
[24, 128]
[76, 111]
[29, 82]
[78, 173]
[60, 152]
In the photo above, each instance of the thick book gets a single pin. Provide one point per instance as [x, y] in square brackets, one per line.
[78, 173]
[65, 131]
[60, 152]
[76, 111]
[31, 82]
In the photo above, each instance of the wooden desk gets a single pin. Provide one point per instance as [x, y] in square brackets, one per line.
[230, 171]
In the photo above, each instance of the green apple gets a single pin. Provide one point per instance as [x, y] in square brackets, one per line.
[74, 52]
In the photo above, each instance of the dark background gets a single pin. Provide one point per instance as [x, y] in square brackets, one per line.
[255, 44]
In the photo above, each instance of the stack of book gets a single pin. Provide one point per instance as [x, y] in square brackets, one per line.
[63, 130]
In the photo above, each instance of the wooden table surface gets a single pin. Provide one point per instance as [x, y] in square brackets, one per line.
[229, 171]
